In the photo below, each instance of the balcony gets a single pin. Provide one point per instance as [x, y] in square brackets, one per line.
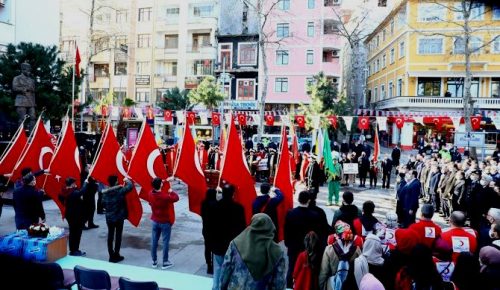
[424, 102]
[165, 78]
[166, 53]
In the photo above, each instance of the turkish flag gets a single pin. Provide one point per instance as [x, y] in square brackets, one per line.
[438, 121]
[150, 115]
[104, 110]
[295, 152]
[399, 122]
[269, 120]
[235, 172]
[283, 181]
[332, 120]
[146, 162]
[301, 121]
[215, 119]
[13, 151]
[188, 169]
[363, 123]
[126, 113]
[222, 142]
[38, 154]
[242, 119]
[376, 145]
[78, 59]
[167, 116]
[111, 161]
[475, 122]
[65, 163]
[191, 117]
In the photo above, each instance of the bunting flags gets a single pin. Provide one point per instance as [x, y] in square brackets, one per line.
[13, 151]
[455, 121]
[65, 163]
[215, 119]
[188, 169]
[475, 122]
[382, 123]
[167, 116]
[283, 181]
[146, 162]
[400, 122]
[269, 120]
[37, 155]
[348, 122]
[301, 121]
[235, 172]
[191, 117]
[332, 120]
[242, 119]
[363, 123]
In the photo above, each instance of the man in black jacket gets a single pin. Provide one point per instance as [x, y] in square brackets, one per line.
[28, 205]
[89, 203]
[264, 203]
[395, 156]
[74, 213]
[298, 222]
[229, 220]
[347, 212]
[386, 172]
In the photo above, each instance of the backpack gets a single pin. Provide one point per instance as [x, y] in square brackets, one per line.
[337, 280]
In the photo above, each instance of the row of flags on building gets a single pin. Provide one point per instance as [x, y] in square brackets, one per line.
[61, 159]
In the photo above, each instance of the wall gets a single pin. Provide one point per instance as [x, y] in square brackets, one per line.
[37, 21]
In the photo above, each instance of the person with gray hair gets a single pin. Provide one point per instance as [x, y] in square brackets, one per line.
[491, 219]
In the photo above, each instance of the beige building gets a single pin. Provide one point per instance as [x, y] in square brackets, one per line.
[139, 49]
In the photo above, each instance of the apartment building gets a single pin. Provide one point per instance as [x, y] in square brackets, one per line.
[20, 22]
[301, 41]
[140, 49]
[416, 62]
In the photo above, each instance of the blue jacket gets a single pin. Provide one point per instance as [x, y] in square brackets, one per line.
[28, 206]
[410, 193]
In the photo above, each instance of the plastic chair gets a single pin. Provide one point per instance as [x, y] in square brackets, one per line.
[54, 275]
[127, 284]
[88, 279]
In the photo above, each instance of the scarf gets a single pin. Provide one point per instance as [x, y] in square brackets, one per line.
[257, 248]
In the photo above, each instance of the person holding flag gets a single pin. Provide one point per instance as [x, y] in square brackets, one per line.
[333, 171]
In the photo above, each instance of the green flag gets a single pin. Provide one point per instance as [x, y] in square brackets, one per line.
[327, 153]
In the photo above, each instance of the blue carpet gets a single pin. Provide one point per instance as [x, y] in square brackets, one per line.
[164, 278]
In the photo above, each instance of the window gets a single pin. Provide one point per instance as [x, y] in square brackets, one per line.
[310, 4]
[200, 40]
[145, 14]
[496, 12]
[378, 41]
[282, 57]
[377, 65]
[143, 40]
[496, 45]
[166, 68]
[456, 87]
[383, 35]
[281, 85]
[382, 92]
[142, 96]
[120, 40]
[121, 16]
[429, 87]
[495, 87]
[173, 12]
[401, 17]
[399, 89]
[226, 55]
[392, 27]
[202, 11]
[310, 57]
[282, 30]
[101, 44]
[247, 53]
[476, 11]
[391, 89]
[384, 63]
[101, 69]
[310, 29]
[284, 5]
[246, 89]
[431, 12]
[475, 44]
[430, 46]
[143, 68]
[391, 56]
[120, 68]
[375, 94]
[330, 26]
[172, 41]
[309, 81]
[103, 18]
[401, 49]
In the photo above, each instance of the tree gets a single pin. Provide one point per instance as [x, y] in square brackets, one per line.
[53, 79]
[207, 93]
[175, 99]
[464, 31]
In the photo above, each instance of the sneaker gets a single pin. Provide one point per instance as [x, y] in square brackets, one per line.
[77, 253]
[167, 265]
[154, 264]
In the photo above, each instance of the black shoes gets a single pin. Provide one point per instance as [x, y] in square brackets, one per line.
[93, 226]
[210, 270]
[116, 258]
[77, 253]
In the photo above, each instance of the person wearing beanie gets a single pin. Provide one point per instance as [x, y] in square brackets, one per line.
[264, 203]
[460, 239]
[425, 228]
[74, 212]
[347, 212]
[27, 201]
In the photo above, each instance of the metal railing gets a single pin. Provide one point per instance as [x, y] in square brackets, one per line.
[436, 102]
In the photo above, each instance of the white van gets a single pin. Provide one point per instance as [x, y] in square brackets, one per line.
[276, 138]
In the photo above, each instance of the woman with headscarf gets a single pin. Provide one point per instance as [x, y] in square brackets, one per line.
[338, 260]
[369, 282]
[420, 272]
[253, 260]
[305, 274]
[371, 261]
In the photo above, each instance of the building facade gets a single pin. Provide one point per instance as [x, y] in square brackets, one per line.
[416, 63]
[140, 49]
[301, 40]
[20, 22]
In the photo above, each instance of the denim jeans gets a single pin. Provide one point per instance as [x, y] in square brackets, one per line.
[218, 260]
[163, 229]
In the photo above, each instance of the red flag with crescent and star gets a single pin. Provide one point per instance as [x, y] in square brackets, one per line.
[332, 120]
[191, 117]
[215, 119]
[65, 163]
[269, 120]
[110, 160]
[78, 59]
[242, 119]
[37, 155]
[476, 122]
[146, 162]
[167, 116]
[363, 123]
[283, 181]
[399, 122]
[14, 151]
[301, 121]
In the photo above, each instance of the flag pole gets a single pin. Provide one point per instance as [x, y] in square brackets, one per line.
[73, 95]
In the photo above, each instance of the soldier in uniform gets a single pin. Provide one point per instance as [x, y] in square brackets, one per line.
[24, 88]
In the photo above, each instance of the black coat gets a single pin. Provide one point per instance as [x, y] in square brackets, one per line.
[396, 155]
[386, 166]
[229, 221]
[75, 206]
[269, 206]
[298, 222]
[434, 181]
[27, 206]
